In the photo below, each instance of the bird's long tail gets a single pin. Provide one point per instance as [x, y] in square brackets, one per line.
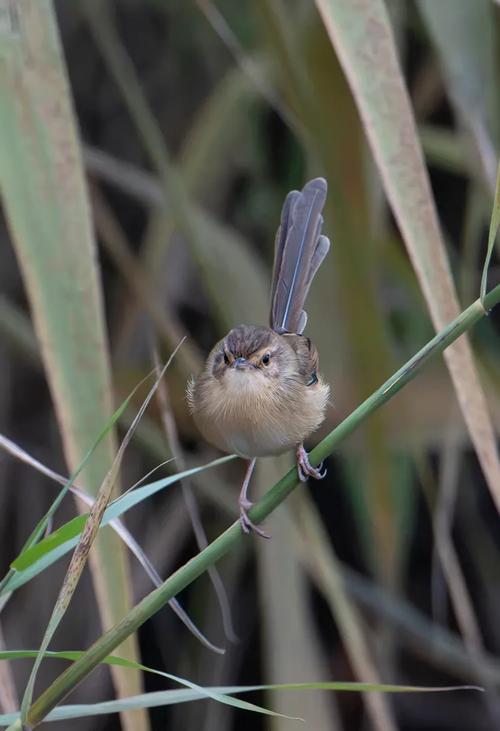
[300, 249]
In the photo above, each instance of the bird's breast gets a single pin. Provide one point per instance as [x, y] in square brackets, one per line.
[254, 418]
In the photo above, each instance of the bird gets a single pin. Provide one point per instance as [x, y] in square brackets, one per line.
[260, 392]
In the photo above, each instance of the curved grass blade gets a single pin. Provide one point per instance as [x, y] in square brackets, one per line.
[67, 535]
[40, 528]
[173, 697]
[195, 692]
[44, 522]
[201, 692]
[118, 527]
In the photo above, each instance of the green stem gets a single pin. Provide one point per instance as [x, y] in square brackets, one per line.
[154, 601]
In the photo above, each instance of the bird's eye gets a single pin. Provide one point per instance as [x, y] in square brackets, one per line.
[226, 358]
[266, 359]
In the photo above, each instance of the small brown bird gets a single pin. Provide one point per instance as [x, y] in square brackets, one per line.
[260, 392]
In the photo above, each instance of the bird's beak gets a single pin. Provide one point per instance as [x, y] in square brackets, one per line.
[241, 364]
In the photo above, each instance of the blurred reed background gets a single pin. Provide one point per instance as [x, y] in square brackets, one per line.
[195, 120]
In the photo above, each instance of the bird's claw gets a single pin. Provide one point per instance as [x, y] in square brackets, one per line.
[248, 525]
[305, 468]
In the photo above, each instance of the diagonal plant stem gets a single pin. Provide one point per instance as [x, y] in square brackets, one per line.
[196, 566]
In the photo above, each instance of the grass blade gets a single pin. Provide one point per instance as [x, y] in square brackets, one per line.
[370, 62]
[67, 484]
[117, 526]
[195, 692]
[48, 215]
[222, 694]
[45, 552]
[200, 691]
[47, 518]
[42, 524]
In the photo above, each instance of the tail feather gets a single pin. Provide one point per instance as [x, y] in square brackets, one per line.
[281, 237]
[320, 252]
[300, 250]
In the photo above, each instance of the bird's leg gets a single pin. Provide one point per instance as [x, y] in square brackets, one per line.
[305, 468]
[245, 504]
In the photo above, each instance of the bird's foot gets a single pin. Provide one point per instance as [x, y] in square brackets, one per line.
[305, 468]
[246, 524]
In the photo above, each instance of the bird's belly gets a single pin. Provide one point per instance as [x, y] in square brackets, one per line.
[261, 426]
[261, 442]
